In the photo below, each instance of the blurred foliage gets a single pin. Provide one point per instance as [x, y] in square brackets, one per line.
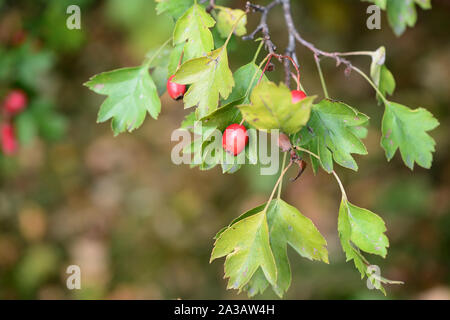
[141, 227]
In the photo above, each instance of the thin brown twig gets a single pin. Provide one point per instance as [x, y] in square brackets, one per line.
[262, 26]
[293, 34]
[281, 57]
[210, 7]
[317, 52]
[290, 49]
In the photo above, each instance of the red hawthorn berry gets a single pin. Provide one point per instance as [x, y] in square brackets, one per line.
[234, 139]
[297, 95]
[176, 91]
[8, 139]
[15, 101]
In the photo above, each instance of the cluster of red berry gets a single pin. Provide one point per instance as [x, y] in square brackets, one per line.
[235, 136]
[15, 102]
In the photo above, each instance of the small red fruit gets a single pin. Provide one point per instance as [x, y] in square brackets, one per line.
[176, 91]
[15, 101]
[234, 139]
[8, 139]
[297, 95]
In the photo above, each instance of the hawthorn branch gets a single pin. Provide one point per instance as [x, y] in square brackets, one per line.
[293, 37]
[262, 26]
[317, 52]
[210, 7]
[290, 49]
[212, 4]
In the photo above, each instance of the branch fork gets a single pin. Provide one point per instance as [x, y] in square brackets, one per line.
[293, 36]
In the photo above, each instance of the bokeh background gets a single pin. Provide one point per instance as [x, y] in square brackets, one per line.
[141, 227]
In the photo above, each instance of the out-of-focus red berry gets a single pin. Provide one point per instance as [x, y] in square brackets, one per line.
[8, 139]
[15, 102]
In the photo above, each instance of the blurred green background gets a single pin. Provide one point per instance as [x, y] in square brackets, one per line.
[141, 227]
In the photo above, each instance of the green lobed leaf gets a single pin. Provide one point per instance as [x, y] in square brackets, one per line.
[401, 14]
[331, 134]
[360, 131]
[247, 214]
[286, 226]
[247, 248]
[131, 94]
[406, 129]
[175, 8]
[210, 78]
[362, 230]
[193, 29]
[257, 284]
[272, 108]
[227, 18]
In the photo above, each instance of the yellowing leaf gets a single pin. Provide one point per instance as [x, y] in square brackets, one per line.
[210, 77]
[272, 108]
[287, 226]
[247, 248]
[227, 18]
